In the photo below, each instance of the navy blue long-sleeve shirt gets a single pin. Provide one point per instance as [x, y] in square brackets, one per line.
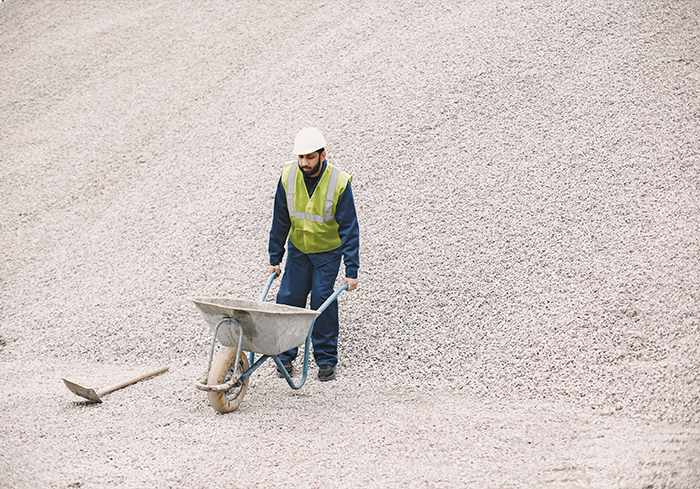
[345, 216]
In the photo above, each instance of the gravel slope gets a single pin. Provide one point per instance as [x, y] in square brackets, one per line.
[527, 178]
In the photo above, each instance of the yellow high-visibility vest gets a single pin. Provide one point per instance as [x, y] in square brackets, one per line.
[314, 228]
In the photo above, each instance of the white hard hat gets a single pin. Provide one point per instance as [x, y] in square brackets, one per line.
[308, 140]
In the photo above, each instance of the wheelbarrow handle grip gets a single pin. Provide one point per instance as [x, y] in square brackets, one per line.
[333, 296]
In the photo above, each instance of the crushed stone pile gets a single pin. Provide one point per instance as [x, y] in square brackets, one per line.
[526, 177]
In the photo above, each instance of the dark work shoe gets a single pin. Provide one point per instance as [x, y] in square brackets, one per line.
[326, 372]
[288, 367]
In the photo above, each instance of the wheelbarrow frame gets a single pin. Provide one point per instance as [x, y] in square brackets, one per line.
[237, 379]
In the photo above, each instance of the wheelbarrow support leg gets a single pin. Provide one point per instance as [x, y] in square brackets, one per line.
[307, 345]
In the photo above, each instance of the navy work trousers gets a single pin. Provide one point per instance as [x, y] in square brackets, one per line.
[314, 273]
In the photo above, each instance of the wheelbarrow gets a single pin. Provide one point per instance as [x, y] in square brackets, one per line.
[262, 328]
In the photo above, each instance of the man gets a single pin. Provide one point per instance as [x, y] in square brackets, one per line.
[314, 207]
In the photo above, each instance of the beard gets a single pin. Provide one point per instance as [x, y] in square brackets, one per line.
[313, 170]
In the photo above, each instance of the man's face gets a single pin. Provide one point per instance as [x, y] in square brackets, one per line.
[311, 163]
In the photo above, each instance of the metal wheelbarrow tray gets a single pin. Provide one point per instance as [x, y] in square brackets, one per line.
[257, 327]
[268, 329]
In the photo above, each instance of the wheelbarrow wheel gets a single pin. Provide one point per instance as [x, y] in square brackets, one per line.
[221, 371]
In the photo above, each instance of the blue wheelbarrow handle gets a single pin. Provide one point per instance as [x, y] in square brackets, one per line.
[320, 309]
[332, 298]
[267, 287]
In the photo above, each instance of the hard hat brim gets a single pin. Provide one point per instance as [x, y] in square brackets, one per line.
[306, 151]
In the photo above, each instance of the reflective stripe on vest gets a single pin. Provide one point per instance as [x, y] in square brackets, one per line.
[330, 193]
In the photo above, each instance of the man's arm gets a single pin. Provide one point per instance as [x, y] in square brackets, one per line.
[279, 230]
[349, 231]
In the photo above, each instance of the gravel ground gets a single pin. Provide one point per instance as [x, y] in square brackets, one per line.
[527, 176]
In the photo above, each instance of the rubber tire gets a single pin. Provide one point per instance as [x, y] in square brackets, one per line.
[220, 372]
